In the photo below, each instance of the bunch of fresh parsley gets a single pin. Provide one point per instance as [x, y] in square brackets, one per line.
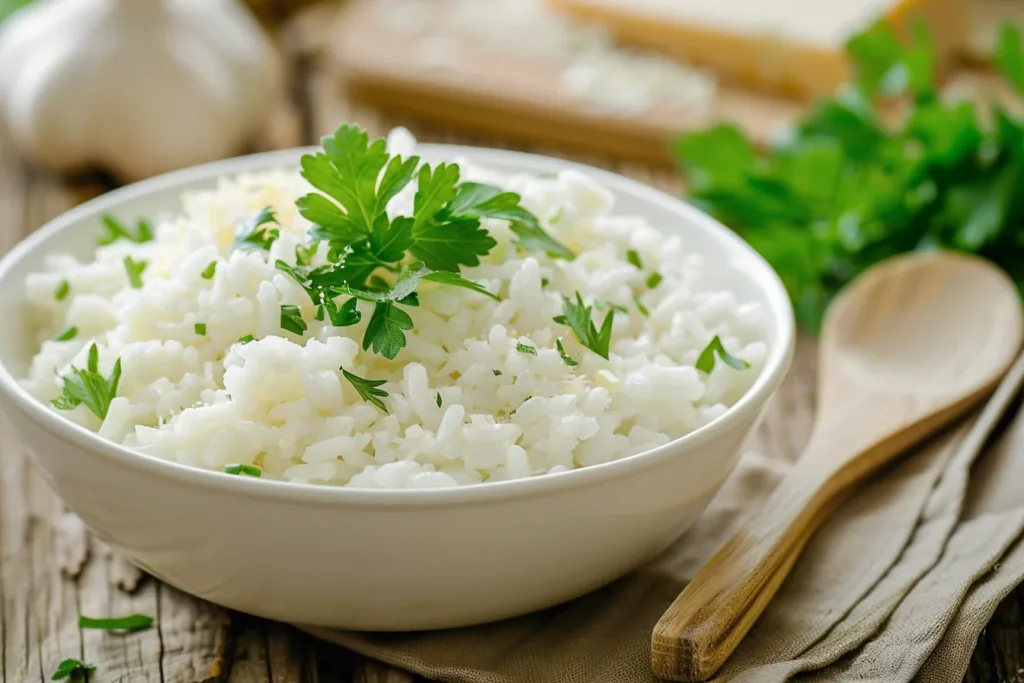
[844, 190]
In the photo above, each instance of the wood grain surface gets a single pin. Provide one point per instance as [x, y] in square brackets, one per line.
[53, 570]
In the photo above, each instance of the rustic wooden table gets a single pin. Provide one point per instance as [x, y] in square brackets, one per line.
[53, 569]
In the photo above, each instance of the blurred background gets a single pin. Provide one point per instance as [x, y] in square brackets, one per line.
[782, 118]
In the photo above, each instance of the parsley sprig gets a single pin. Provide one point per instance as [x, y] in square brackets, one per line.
[578, 317]
[846, 189]
[128, 624]
[89, 387]
[382, 259]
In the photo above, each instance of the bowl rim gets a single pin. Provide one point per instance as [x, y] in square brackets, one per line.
[776, 365]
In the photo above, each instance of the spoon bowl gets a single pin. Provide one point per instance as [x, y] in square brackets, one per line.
[907, 348]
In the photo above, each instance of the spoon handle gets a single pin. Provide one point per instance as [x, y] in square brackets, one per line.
[709, 618]
[707, 621]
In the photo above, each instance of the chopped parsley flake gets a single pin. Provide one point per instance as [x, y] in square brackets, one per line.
[62, 291]
[706, 360]
[526, 348]
[246, 470]
[210, 269]
[134, 270]
[201, 329]
[68, 334]
[134, 622]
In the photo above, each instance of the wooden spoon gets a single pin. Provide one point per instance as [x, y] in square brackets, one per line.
[905, 349]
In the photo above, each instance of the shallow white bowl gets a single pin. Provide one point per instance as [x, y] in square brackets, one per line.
[386, 560]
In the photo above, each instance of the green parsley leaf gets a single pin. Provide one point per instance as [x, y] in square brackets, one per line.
[246, 470]
[644, 311]
[497, 373]
[544, 282]
[476, 200]
[604, 305]
[348, 171]
[526, 348]
[89, 387]
[134, 622]
[368, 389]
[200, 329]
[345, 315]
[706, 359]
[62, 291]
[68, 334]
[441, 240]
[209, 271]
[257, 233]
[291, 319]
[566, 358]
[246, 339]
[438, 399]
[653, 280]
[634, 258]
[385, 333]
[579, 318]
[75, 670]
[115, 230]
[134, 270]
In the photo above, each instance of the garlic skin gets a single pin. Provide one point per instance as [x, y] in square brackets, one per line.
[137, 87]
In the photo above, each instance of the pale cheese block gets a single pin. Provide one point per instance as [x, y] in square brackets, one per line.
[789, 47]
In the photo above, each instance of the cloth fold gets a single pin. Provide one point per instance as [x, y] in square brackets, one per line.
[896, 586]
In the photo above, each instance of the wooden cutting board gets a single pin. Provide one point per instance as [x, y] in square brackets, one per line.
[523, 98]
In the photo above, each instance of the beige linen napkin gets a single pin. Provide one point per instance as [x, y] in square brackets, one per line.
[895, 587]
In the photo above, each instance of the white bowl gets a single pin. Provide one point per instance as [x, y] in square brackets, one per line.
[386, 560]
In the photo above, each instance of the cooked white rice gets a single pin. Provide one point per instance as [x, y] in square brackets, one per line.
[280, 402]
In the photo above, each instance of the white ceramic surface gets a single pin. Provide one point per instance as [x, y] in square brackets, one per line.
[386, 560]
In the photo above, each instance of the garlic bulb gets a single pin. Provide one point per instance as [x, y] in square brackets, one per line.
[137, 87]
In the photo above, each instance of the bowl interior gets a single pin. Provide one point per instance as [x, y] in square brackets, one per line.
[730, 262]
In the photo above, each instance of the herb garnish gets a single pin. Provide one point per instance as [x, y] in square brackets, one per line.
[134, 622]
[846, 190]
[246, 339]
[526, 348]
[258, 232]
[653, 280]
[579, 318]
[116, 230]
[134, 270]
[75, 670]
[634, 259]
[291, 319]
[566, 358]
[368, 389]
[439, 399]
[63, 288]
[68, 334]
[200, 329]
[706, 360]
[641, 307]
[210, 269]
[246, 470]
[89, 387]
[382, 260]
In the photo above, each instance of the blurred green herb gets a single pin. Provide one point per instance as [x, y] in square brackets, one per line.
[115, 230]
[133, 622]
[246, 470]
[706, 360]
[134, 269]
[844, 190]
[62, 291]
[75, 670]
